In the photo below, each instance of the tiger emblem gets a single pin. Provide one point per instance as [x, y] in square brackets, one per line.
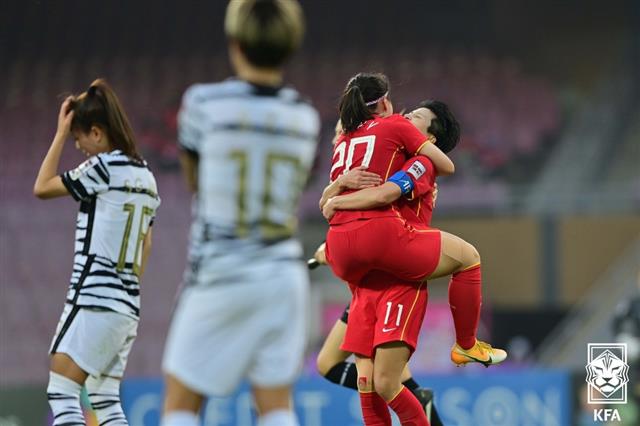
[607, 373]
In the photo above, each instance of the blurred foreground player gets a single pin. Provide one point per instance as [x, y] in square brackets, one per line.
[248, 145]
[118, 200]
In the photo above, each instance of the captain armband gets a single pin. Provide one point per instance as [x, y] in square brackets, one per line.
[403, 180]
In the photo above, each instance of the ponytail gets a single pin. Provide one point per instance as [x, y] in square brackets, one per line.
[353, 109]
[99, 106]
[360, 99]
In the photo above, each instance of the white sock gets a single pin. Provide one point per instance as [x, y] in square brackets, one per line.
[180, 418]
[278, 418]
[104, 394]
[64, 399]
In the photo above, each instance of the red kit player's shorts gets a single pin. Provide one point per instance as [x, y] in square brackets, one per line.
[385, 244]
[383, 311]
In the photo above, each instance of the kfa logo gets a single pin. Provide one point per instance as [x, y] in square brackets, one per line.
[607, 378]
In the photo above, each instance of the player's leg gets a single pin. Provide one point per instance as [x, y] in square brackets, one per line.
[104, 395]
[390, 360]
[375, 411]
[63, 391]
[331, 361]
[104, 390]
[462, 260]
[274, 406]
[181, 404]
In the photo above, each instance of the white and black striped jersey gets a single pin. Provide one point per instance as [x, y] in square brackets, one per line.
[118, 200]
[255, 146]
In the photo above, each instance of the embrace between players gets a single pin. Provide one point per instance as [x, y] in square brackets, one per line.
[380, 243]
[244, 281]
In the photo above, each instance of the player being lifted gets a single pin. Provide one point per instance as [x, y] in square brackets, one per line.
[248, 145]
[431, 118]
[361, 242]
[118, 200]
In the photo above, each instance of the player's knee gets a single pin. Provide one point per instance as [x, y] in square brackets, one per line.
[365, 384]
[472, 256]
[323, 364]
[386, 386]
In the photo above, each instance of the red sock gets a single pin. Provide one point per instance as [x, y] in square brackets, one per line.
[408, 409]
[374, 410]
[465, 298]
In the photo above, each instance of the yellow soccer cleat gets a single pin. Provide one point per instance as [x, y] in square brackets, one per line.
[480, 352]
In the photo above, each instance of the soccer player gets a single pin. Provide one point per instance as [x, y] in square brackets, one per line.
[431, 118]
[360, 242]
[247, 147]
[118, 200]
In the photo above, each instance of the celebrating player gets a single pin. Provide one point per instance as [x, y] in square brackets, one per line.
[248, 145]
[118, 200]
[431, 118]
[360, 242]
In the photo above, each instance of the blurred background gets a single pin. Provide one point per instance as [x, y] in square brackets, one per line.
[547, 185]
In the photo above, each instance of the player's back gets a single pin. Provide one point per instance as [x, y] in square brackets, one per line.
[119, 198]
[255, 146]
[382, 145]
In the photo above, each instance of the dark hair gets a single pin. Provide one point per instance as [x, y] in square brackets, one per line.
[361, 90]
[99, 106]
[267, 31]
[444, 127]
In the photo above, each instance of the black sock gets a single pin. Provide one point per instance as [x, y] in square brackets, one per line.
[344, 374]
[411, 384]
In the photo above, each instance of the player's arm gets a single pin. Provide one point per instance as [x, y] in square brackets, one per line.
[146, 251]
[365, 199]
[189, 164]
[358, 178]
[442, 163]
[48, 184]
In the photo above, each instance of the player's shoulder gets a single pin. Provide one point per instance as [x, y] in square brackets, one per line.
[419, 165]
[394, 120]
[200, 93]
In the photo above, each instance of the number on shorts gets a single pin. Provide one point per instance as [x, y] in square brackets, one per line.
[389, 307]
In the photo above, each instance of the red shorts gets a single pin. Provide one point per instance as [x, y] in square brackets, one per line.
[385, 244]
[384, 311]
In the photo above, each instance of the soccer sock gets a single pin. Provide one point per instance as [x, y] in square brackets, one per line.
[180, 418]
[64, 399]
[374, 410]
[344, 374]
[411, 384]
[465, 298]
[278, 418]
[408, 409]
[104, 394]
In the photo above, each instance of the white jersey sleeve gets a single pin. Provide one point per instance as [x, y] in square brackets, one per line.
[87, 180]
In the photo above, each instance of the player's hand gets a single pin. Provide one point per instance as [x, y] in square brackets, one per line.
[320, 254]
[64, 119]
[359, 178]
[328, 210]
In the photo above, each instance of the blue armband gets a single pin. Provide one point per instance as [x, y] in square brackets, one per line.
[403, 180]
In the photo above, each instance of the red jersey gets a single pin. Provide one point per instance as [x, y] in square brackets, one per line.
[417, 207]
[380, 144]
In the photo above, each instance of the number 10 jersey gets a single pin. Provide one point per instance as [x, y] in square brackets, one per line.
[254, 147]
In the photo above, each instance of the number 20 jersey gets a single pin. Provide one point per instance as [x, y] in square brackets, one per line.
[255, 146]
[381, 144]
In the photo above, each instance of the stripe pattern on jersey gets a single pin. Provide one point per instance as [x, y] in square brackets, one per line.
[118, 198]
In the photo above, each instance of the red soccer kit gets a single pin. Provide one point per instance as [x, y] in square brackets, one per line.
[385, 309]
[388, 304]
